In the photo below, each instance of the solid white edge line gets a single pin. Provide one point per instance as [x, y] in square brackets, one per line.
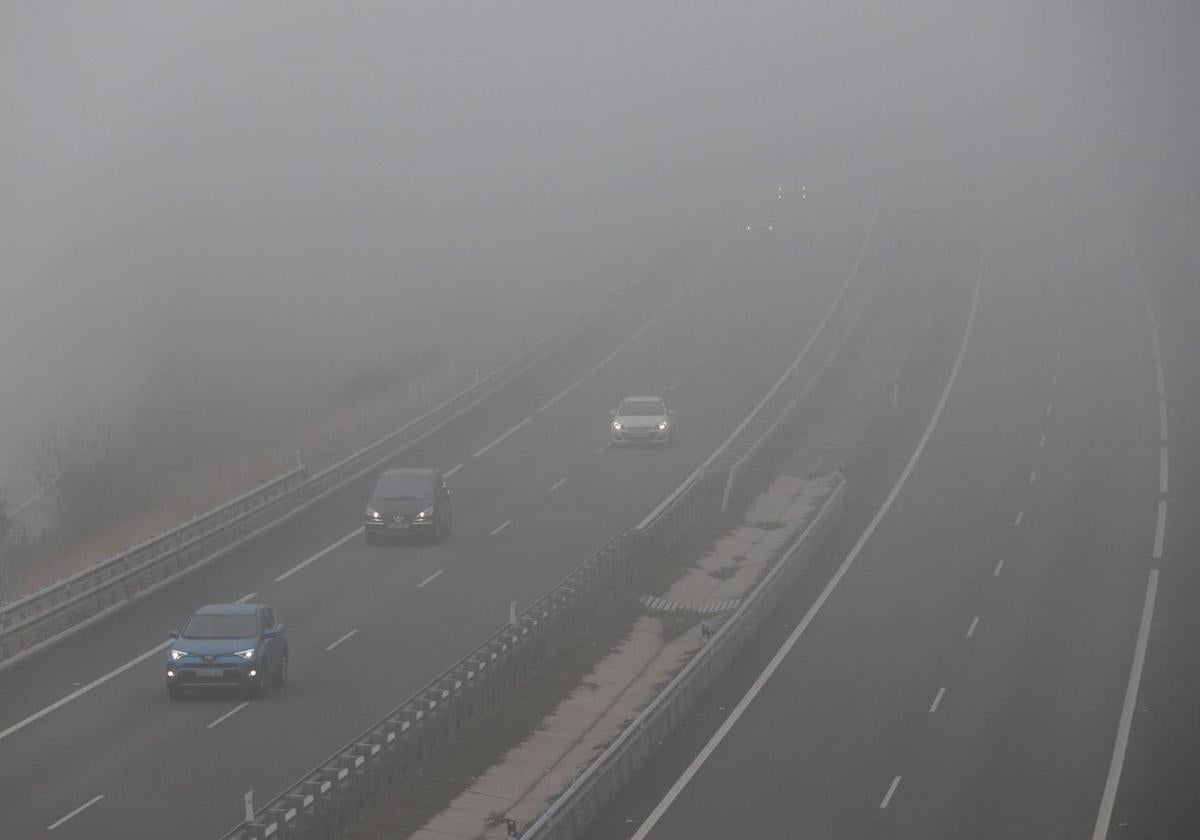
[1164, 466]
[740, 709]
[334, 644]
[937, 700]
[974, 625]
[1125, 723]
[453, 470]
[1160, 529]
[1162, 420]
[1162, 382]
[500, 528]
[228, 715]
[562, 394]
[557, 484]
[245, 598]
[430, 579]
[79, 692]
[342, 541]
[76, 812]
[502, 437]
[887, 797]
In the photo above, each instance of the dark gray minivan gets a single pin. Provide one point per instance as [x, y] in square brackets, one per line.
[408, 502]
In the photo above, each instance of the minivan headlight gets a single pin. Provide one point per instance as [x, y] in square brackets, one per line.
[662, 427]
[616, 425]
[425, 514]
[373, 514]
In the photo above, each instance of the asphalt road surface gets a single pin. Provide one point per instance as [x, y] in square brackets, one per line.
[1005, 647]
[90, 747]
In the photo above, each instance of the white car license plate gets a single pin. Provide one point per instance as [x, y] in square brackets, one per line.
[209, 672]
[398, 526]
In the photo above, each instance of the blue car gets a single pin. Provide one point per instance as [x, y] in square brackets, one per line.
[240, 646]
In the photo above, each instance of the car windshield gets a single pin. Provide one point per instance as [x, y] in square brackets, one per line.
[221, 626]
[404, 487]
[642, 408]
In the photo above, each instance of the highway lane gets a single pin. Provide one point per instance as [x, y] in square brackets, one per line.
[966, 675]
[399, 615]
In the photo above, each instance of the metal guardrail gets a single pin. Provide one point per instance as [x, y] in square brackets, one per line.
[32, 624]
[570, 815]
[404, 743]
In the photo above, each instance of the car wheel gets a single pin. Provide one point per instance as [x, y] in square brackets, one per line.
[281, 677]
[174, 692]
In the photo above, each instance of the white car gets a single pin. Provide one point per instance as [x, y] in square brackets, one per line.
[642, 420]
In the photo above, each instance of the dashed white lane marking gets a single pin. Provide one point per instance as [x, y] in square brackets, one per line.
[430, 579]
[338, 641]
[1104, 817]
[1049, 409]
[971, 629]
[79, 692]
[563, 393]
[319, 554]
[453, 470]
[609, 357]
[1054, 381]
[557, 484]
[1160, 529]
[1042, 442]
[1164, 465]
[937, 700]
[740, 709]
[602, 448]
[701, 360]
[999, 568]
[75, 813]
[887, 797]
[673, 385]
[1162, 381]
[501, 527]
[1019, 519]
[228, 714]
[1033, 477]
[246, 598]
[502, 437]
[1162, 420]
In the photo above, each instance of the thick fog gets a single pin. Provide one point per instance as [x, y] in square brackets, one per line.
[224, 210]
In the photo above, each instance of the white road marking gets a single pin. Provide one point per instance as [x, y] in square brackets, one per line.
[1164, 465]
[1104, 817]
[319, 554]
[563, 393]
[334, 644]
[1049, 409]
[1162, 420]
[74, 813]
[999, 568]
[502, 437]
[1054, 381]
[887, 797]
[609, 357]
[1160, 529]
[557, 484]
[971, 629]
[1033, 477]
[740, 709]
[937, 700]
[227, 715]
[1162, 382]
[245, 599]
[701, 360]
[673, 385]
[430, 579]
[79, 692]
[453, 470]
[1042, 442]
[501, 527]
[1157, 345]
[1020, 517]
[602, 448]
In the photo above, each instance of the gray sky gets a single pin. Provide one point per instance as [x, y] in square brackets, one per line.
[265, 190]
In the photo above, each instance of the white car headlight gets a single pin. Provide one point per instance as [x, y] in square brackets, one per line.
[245, 654]
[176, 654]
[617, 425]
[373, 514]
[425, 514]
[662, 427]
